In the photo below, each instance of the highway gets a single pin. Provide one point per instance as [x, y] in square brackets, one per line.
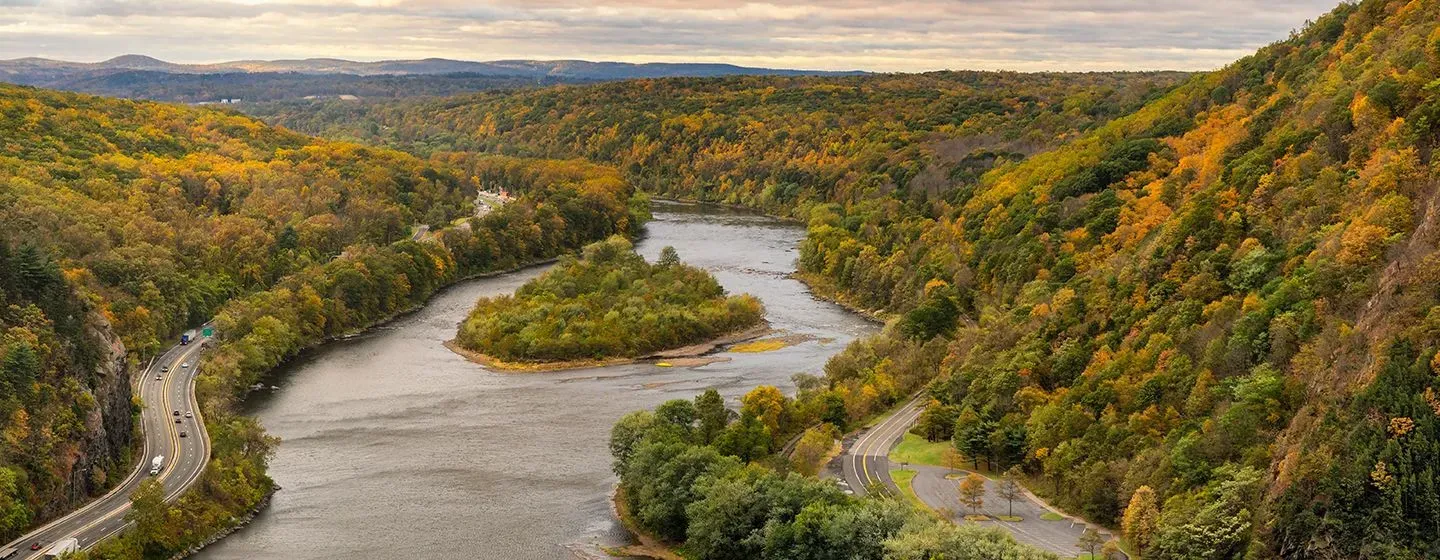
[185, 457]
[866, 464]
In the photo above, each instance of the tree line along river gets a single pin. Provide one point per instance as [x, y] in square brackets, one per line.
[395, 446]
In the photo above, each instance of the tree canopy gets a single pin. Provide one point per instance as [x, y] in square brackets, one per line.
[608, 303]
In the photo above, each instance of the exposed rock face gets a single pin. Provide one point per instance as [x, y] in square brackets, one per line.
[102, 457]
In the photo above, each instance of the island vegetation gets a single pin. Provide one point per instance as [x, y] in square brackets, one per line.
[123, 223]
[1221, 292]
[1200, 308]
[609, 303]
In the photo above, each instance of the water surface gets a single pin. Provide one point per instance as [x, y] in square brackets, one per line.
[395, 447]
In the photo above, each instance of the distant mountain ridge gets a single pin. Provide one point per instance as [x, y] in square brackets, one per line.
[43, 71]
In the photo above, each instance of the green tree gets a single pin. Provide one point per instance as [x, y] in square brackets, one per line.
[972, 436]
[659, 483]
[679, 416]
[935, 316]
[19, 369]
[731, 518]
[150, 514]
[747, 439]
[943, 540]
[668, 257]
[936, 422]
[14, 515]
[626, 435]
[838, 531]
[713, 416]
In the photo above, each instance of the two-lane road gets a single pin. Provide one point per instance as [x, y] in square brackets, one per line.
[866, 464]
[166, 387]
[866, 467]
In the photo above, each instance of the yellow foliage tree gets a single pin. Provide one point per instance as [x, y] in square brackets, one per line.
[1142, 517]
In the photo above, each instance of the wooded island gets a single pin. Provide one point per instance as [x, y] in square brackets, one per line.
[609, 304]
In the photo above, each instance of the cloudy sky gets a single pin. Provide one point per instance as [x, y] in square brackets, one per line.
[907, 35]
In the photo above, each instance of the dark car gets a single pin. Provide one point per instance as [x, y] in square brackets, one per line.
[35, 546]
[177, 413]
[182, 434]
[177, 420]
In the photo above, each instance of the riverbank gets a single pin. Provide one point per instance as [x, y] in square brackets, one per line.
[396, 388]
[825, 290]
[238, 525]
[220, 533]
[648, 546]
[731, 206]
[685, 356]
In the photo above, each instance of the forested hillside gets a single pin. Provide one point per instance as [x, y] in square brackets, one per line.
[64, 393]
[259, 87]
[774, 143]
[136, 220]
[123, 223]
[1224, 297]
[164, 212]
[561, 205]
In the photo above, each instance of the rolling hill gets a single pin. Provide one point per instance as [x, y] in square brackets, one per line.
[138, 76]
[1223, 293]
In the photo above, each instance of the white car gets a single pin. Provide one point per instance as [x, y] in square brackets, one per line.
[185, 365]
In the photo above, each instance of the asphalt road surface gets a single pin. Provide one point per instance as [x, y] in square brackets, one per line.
[184, 457]
[865, 464]
[939, 488]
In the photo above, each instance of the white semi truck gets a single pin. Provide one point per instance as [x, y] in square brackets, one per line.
[62, 547]
[155, 464]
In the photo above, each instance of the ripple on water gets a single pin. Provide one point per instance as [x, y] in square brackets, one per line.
[393, 445]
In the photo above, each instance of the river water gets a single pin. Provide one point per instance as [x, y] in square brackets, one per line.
[394, 447]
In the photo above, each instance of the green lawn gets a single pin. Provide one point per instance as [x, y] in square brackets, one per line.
[916, 451]
[905, 480]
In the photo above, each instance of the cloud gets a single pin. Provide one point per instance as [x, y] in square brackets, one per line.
[905, 35]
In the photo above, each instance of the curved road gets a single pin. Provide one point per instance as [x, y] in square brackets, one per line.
[185, 457]
[865, 465]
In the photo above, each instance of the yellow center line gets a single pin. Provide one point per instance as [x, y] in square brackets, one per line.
[174, 442]
[883, 430]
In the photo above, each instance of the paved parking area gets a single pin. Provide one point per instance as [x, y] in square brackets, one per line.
[943, 494]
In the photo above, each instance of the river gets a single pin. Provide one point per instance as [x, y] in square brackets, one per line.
[394, 447]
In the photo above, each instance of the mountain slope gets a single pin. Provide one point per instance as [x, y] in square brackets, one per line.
[1226, 296]
[777, 143]
[123, 223]
[41, 71]
[143, 77]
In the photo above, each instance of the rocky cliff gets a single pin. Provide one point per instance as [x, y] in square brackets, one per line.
[103, 454]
